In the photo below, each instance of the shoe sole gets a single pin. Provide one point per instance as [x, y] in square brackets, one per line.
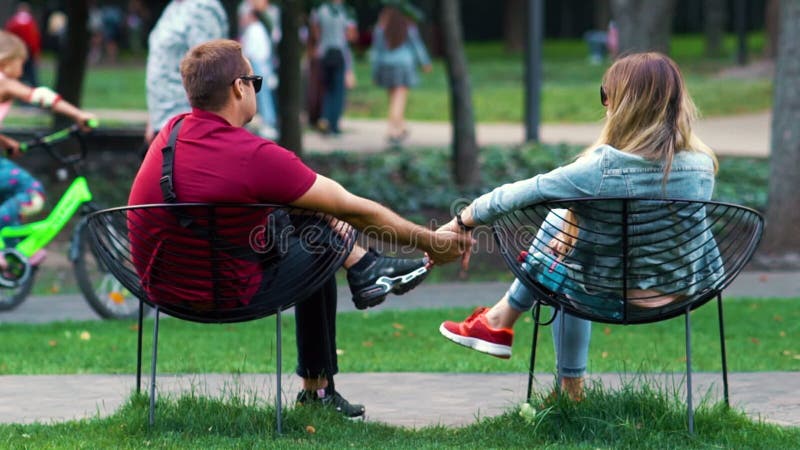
[398, 285]
[496, 350]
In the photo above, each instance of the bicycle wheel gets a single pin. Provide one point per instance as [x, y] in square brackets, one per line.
[10, 298]
[104, 293]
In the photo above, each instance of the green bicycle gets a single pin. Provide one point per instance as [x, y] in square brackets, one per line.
[19, 243]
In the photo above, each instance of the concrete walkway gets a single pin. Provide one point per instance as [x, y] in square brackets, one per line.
[739, 135]
[405, 399]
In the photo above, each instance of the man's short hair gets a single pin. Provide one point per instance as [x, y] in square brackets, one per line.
[209, 69]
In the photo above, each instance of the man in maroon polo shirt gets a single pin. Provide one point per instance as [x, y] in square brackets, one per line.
[217, 160]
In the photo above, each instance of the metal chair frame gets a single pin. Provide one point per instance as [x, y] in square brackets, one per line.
[111, 234]
[734, 256]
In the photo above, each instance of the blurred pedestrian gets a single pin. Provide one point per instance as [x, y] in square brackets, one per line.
[257, 47]
[23, 24]
[333, 25]
[397, 51]
[183, 25]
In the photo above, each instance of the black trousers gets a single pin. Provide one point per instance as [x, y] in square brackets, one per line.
[315, 319]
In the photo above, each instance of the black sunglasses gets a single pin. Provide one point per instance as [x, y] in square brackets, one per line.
[603, 96]
[256, 79]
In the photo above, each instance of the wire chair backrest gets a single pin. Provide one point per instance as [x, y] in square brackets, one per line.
[219, 262]
[628, 260]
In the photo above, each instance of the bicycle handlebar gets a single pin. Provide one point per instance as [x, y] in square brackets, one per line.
[59, 136]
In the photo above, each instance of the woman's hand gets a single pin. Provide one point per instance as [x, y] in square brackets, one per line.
[452, 228]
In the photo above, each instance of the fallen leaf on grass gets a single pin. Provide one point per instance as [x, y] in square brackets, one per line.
[604, 355]
[85, 336]
[52, 342]
[606, 331]
[310, 429]
[367, 344]
[755, 340]
[398, 326]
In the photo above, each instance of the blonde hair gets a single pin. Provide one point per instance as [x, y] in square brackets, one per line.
[650, 114]
[11, 47]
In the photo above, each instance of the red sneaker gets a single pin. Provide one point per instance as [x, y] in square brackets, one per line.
[476, 334]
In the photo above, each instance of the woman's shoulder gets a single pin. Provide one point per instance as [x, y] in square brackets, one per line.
[693, 160]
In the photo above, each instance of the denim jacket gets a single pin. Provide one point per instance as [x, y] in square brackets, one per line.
[608, 172]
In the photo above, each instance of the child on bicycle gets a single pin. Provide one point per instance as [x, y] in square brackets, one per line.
[21, 195]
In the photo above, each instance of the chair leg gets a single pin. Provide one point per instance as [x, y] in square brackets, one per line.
[153, 369]
[536, 310]
[722, 350]
[559, 350]
[278, 402]
[139, 349]
[689, 407]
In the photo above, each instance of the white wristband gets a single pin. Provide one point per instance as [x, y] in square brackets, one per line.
[44, 97]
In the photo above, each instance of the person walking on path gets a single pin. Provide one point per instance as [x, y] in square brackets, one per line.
[333, 25]
[257, 47]
[182, 25]
[23, 24]
[397, 50]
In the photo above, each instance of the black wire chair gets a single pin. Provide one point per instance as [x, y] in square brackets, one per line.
[218, 263]
[629, 261]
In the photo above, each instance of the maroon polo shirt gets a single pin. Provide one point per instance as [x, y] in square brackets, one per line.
[215, 162]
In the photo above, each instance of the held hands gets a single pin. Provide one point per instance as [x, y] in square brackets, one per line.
[449, 246]
[452, 228]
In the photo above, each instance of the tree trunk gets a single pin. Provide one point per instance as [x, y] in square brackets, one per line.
[290, 89]
[72, 57]
[232, 11]
[514, 19]
[643, 25]
[602, 14]
[465, 146]
[714, 12]
[782, 241]
[771, 23]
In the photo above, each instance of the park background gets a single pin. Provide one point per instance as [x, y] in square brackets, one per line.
[423, 182]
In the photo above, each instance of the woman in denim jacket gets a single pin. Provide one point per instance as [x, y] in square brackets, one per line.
[646, 149]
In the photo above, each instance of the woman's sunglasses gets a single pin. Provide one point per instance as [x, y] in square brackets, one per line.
[603, 96]
[255, 79]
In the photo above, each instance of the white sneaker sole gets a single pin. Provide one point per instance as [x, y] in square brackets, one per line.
[498, 350]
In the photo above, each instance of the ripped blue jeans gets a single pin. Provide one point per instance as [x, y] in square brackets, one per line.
[571, 335]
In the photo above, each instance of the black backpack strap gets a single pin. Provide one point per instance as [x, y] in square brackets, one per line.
[167, 180]
[168, 165]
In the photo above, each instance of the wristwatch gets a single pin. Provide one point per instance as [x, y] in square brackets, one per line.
[461, 224]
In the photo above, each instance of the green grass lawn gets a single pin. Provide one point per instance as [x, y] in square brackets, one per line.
[631, 418]
[761, 335]
[569, 90]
